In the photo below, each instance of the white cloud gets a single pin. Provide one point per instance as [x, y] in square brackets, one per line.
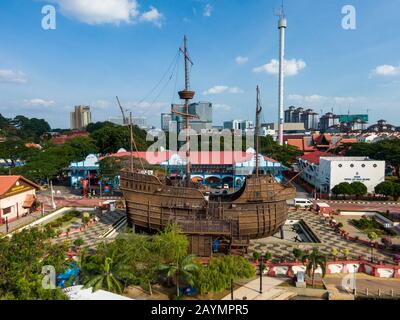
[39, 103]
[95, 12]
[153, 16]
[145, 107]
[318, 100]
[11, 76]
[222, 89]
[386, 70]
[222, 107]
[207, 12]
[101, 104]
[241, 60]
[291, 67]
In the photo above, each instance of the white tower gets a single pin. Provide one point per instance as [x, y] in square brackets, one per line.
[282, 25]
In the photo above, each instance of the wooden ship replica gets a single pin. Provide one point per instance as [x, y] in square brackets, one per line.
[223, 223]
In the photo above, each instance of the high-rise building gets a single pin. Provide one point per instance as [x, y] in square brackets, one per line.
[242, 125]
[166, 119]
[310, 120]
[80, 117]
[298, 115]
[328, 120]
[289, 114]
[202, 111]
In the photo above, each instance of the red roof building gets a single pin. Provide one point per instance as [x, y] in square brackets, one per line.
[17, 197]
[63, 138]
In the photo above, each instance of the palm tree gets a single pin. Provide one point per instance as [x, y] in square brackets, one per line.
[183, 269]
[372, 236]
[314, 260]
[106, 278]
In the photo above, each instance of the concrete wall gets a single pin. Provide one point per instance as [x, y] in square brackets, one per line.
[15, 202]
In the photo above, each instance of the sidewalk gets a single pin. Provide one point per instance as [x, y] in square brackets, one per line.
[20, 222]
[251, 291]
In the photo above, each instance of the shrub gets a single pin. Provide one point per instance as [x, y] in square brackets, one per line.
[298, 253]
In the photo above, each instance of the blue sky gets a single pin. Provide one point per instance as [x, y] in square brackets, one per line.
[123, 47]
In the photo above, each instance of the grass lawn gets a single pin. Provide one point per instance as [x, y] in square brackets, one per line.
[367, 225]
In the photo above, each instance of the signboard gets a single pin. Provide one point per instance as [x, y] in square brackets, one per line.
[300, 276]
[18, 187]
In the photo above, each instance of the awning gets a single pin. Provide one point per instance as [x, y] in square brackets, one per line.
[29, 200]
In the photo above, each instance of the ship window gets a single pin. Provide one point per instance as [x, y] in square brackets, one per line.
[340, 165]
[352, 166]
[363, 165]
[375, 165]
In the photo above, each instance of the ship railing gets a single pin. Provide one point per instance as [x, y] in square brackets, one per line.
[206, 227]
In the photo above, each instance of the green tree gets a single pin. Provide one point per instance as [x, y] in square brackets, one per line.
[343, 188]
[109, 139]
[81, 147]
[389, 189]
[92, 127]
[30, 128]
[313, 261]
[220, 272]
[298, 253]
[172, 244]
[286, 154]
[21, 261]
[358, 189]
[106, 278]
[16, 151]
[182, 270]
[387, 150]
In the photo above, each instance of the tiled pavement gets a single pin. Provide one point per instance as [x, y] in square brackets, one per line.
[93, 235]
[327, 235]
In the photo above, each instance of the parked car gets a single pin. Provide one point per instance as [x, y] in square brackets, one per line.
[302, 203]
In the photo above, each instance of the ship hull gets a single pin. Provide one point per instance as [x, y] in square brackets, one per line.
[258, 210]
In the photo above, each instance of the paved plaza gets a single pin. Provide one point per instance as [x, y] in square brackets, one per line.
[326, 234]
[93, 235]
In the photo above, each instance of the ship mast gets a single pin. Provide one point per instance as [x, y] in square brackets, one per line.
[187, 95]
[257, 129]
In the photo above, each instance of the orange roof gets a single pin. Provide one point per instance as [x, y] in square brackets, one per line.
[6, 182]
[196, 158]
[314, 157]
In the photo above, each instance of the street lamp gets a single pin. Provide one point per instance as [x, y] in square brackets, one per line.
[231, 289]
[7, 227]
[261, 266]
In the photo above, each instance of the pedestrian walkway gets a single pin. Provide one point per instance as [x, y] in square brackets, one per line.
[326, 234]
[23, 221]
[93, 235]
[251, 291]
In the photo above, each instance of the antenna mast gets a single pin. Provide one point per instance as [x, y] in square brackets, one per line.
[282, 25]
[258, 112]
[187, 95]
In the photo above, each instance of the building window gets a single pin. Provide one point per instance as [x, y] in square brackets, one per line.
[6, 210]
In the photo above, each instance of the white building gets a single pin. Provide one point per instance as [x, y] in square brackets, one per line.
[335, 170]
[326, 172]
[17, 198]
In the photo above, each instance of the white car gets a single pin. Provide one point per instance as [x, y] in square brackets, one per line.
[302, 203]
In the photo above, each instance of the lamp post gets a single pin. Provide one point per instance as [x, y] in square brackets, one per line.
[7, 227]
[231, 289]
[261, 272]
